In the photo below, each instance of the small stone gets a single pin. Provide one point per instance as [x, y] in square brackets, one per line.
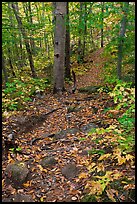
[70, 170]
[48, 162]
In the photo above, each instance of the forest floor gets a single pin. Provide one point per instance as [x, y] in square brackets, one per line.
[65, 158]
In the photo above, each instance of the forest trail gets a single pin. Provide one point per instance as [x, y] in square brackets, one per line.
[93, 75]
[54, 133]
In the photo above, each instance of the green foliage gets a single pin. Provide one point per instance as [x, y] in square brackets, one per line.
[124, 98]
[96, 151]
[14, 150]
[18, 92]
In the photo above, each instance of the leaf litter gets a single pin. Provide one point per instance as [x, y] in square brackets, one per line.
[101, 164]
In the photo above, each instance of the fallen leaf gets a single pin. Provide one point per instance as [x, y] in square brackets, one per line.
[129, 186]
[105, 156]
[41, 168]
[121, 160]
[27, 184]
[3, 181]
[83, 175]
[129, 157]
[111, 195]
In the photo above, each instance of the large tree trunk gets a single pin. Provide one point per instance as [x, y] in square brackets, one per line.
[67, 45]
[25, 40]
[121, 38]
[59, 47]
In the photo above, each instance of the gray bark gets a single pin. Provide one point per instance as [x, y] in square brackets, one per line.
[59, 47]
[67, 45]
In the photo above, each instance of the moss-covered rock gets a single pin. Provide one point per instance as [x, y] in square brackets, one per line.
[89, 89]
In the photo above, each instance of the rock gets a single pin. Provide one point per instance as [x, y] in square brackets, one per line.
[88, 127]
[19, 198]
[70, 170]
[63, 133]
[48, 162]
[22, 198]
[89, 89]
[74, 109]
[16, 173]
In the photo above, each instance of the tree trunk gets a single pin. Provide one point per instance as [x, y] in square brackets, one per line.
[59, 46]
[32, 43]
[10, 63]
[67, 45]
[102, 21]
[92, 45]
[85, 30]
[4, 70]
[79, 60]
[26, 40]
[121, 39]
[16, 53]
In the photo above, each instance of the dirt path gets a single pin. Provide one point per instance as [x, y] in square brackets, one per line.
[93, 75]
[64, 137]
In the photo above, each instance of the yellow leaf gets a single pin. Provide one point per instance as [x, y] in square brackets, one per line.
[41, 168]
[129, 157]
[121, 160]
[121, 88]
[100, 167]
[91, 167]
[27, 184]
[42, 198]
[105, 156]
[83, 175]
[124, 182]
[95, 187]
[117, 175]
[108, 175]
[3, 182]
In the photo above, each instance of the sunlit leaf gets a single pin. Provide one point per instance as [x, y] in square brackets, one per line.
[105, 156]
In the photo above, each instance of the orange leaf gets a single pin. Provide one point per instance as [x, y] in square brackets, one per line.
[27, 184]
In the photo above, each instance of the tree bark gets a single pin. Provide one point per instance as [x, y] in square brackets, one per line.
[4, 70]
[102, 21]
[10, 63]
[67, 45]
[25, 40]
[59, 47]
[85, 30]
[79, 60]
[32, 43]
[121, 38]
